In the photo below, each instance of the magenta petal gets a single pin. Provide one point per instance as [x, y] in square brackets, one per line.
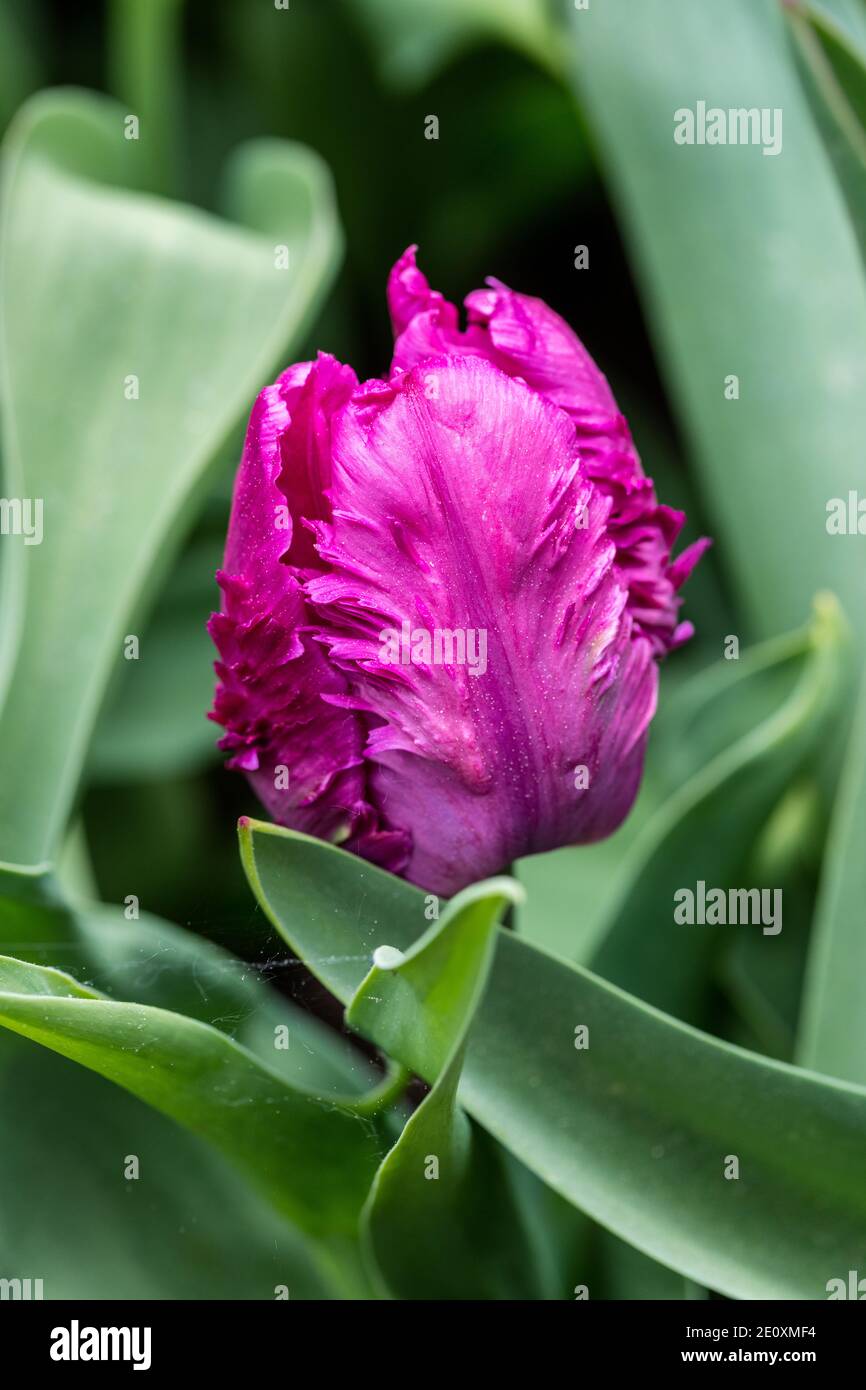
[459, 506]
[305, 450]
[682, 566]
[254, 544]
[526, 339]
[530, 340]
[408, 292]
[303, 755]
[444, 594]
[425, 323]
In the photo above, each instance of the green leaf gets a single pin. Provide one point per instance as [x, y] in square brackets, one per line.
[832, 35]
[453, 1232]
[727, 244]
[132, 286]
[187, 1227]
[833, 1028]
[831, 41]
[419, 1005]
[190, 1226]
[146, 960]
[706, 829]
[314, 1158]
[636, 1128]
[574, 893]
[723, 746]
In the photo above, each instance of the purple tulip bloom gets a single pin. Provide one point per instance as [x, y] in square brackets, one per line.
[445, 594]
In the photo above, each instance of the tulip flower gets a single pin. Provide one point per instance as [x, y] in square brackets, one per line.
[446, 593]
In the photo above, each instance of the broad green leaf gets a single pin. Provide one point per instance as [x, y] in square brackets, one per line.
[153, 962]
[634, 1129]
[149, 961]
[187, 1227]
[102, 284]
[831, 42]
[833, 1028]
[419, 1005]
[705, 830]
[190, 1226]
[732, 735]
[848, 16]
[74, 870]
[749, 267]
[454, 1231]
[314, 1158]
[574, 892]
[832, 36]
